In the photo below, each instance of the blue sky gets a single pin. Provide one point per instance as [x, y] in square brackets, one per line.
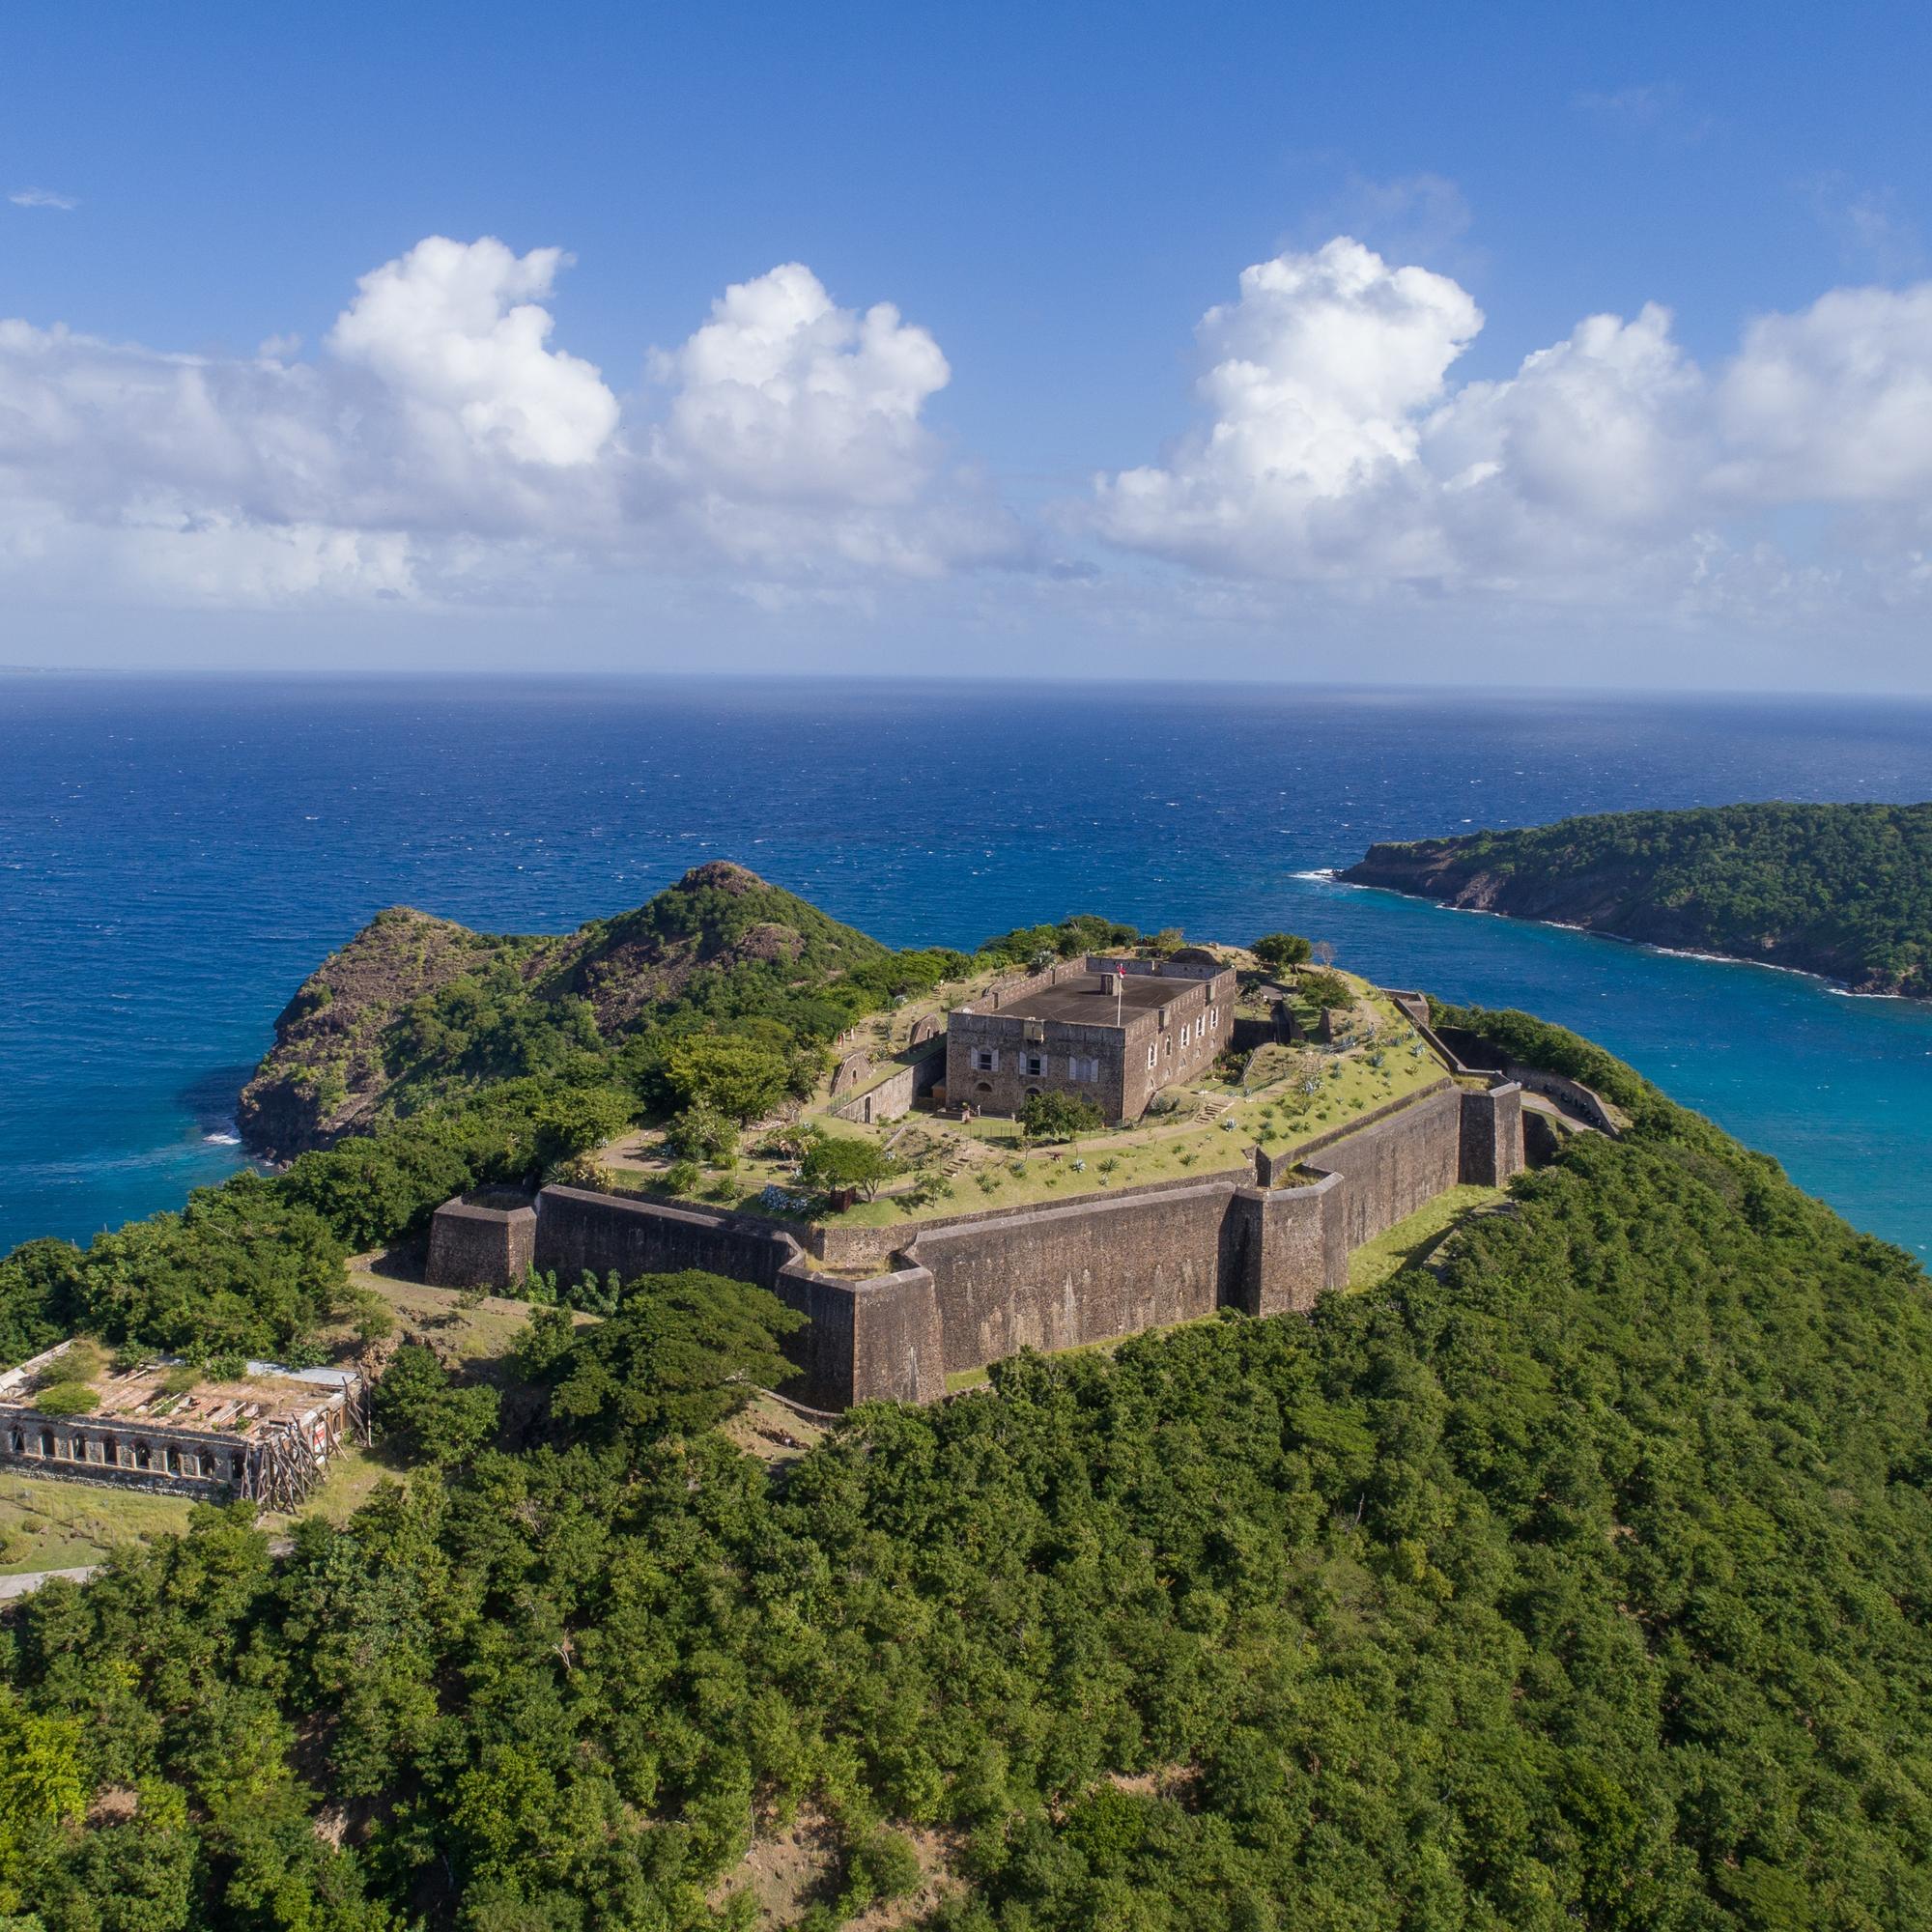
[1051, 200]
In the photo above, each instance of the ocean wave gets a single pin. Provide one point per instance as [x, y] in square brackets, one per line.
[221, 1137]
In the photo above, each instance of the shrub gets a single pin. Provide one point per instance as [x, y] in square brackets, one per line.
[1057, 1117]
[1327, 989]
[67, 1398]
[682, 1177]
[703, 1134]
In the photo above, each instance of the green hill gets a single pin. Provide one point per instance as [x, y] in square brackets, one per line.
[416, 1008]
[1585, 1580]
[1841, 890]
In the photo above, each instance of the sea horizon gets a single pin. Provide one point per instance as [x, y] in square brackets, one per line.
[178, 852]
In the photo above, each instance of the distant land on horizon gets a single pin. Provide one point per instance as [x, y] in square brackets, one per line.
[1843, 890]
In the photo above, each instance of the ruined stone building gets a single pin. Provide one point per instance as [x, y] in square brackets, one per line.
[267, 1435]
[1113, 1032]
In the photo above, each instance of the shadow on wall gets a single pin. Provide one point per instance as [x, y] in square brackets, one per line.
[966, 1290]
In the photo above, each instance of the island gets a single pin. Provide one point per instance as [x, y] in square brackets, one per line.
[1842, 891]
[1554, 1554]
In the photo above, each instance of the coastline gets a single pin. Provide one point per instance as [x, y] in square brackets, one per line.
[1842, 988]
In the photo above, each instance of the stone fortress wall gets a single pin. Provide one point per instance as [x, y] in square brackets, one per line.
[916, 1303]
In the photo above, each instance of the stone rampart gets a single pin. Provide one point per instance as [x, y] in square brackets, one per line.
[891, 1098]
[481, 1240]
[925, 1299]
[1057, 1277]
[1395, 1165]
[1572, 1095]
[603, 1233]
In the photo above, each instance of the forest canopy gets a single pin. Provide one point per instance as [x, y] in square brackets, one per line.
[1583, 1579]
[1841, 890]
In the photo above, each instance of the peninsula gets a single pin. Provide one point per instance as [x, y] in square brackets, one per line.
[1843, 890]
[1386, 1464]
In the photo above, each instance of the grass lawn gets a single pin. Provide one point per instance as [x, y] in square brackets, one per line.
[353, 1474]
[48, 1524]
[1411, 1242]
[1299, 1094]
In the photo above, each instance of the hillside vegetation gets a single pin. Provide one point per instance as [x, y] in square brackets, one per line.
[447, 1061]
[1841, 890]
[1583, 1582]
[414, 1009]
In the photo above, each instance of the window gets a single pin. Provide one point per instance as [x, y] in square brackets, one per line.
[1184, 1036]
[1035, 1064]
[986, 1060]
[1214, 1019]
[1152, 1049]
[1083, 1069]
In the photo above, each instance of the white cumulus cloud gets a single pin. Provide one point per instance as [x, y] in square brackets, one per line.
[784, 394]
[456, 330]
[443, 443]
[42, 197]
[1334, 446]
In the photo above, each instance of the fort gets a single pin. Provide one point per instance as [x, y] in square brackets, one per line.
[1113, 1032]
[897, 1308]
[267, 1434]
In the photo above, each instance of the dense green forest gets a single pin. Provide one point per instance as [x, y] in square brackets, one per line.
[1842, 889]
[1584, 1580]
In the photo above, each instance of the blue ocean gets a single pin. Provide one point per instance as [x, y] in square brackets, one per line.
[175, 856]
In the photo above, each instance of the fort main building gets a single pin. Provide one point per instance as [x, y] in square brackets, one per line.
[1113, 1032]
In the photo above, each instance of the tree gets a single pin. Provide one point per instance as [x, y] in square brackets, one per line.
[545, 1341]
[682, 1353]
[737, 1076]
[1323, 952]
[703, 1134]
[419, 1407]
[1057, 1117]
[43, 1290]
[1327, 989]
[1281, 952]
[836, 1161]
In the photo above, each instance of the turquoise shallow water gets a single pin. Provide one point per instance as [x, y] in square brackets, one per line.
[176, 855]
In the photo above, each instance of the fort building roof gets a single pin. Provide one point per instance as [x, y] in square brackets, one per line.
[1089, 999]
[265, 1397]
